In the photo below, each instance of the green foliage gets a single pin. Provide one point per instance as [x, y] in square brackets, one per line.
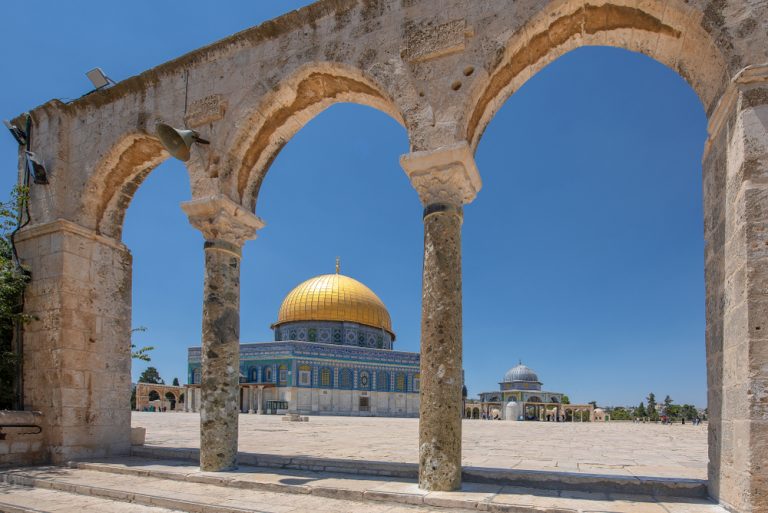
[667, 404]
[672, 410]
[175, 382]
[13, 279]
[688, 412]
[566, 400]
[653, 413]
[619, 413]
[640, 411]
[150, 375]
[141, 353]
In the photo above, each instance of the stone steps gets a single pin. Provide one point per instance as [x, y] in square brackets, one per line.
[545, 480]
[182, 486]
[23, 499]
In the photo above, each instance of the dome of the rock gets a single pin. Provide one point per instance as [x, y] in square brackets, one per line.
[334, 297]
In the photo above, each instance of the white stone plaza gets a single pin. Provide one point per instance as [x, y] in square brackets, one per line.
[611, 448]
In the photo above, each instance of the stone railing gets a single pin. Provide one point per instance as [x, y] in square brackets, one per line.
[21, 438]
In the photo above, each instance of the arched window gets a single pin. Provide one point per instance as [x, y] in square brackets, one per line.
[345, 378]
[364, 380]
[325, 377]
[283, 374]
[305, 375]
[253, 374]
[382, 381]
[416, 382]
[196, 376]
[400, 382]
[267, 375]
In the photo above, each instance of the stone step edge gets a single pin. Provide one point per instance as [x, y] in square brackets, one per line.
[440, 503]
[654, 486]
[331, 492]
[118, 495]
[13, 508]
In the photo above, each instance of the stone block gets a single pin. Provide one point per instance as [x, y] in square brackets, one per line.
[138, 435]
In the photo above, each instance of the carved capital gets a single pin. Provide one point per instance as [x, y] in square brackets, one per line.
[221, 220]
[445, 175]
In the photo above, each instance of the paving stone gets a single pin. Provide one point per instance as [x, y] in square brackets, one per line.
[612, 448]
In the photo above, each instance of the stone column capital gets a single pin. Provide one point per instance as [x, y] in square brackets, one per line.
[443, 175]
[222, 220]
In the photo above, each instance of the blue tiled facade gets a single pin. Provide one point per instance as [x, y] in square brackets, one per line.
[315, 365]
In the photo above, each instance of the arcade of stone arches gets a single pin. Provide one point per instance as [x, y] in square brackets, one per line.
[441, 69]
[545, 412]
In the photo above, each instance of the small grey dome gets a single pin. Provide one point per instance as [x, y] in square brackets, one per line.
[520, 373]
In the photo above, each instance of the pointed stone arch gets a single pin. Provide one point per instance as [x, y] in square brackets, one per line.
[279, 115]
[673, 33]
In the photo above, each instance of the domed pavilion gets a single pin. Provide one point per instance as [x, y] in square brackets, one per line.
[332, 354]
[520, 397]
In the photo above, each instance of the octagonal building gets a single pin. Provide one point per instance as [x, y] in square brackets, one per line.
[332, 354]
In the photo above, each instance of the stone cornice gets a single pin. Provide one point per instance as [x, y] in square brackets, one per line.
[444, 175]
[717, 120]
[222, 220]
[63, 225]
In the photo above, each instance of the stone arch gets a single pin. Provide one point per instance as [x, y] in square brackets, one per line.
[119, 174]
[669, 32]
[116, 178]
[172, 399]
[275, 118]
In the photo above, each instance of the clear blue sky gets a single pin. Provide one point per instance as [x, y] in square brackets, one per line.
[583, 253]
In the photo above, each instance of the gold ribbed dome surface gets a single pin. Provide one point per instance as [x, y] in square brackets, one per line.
[334, 297]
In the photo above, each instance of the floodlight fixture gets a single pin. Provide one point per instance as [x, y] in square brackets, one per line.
[16, 132]
[36, 168]
[98, 78]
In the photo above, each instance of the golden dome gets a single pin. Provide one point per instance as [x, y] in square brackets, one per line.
[334, 297]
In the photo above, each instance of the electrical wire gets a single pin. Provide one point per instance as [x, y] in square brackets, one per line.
[24, 206]
[18, 344]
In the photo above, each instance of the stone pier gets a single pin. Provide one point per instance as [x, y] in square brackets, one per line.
[77, 356]
[226, 226]
[445, 179]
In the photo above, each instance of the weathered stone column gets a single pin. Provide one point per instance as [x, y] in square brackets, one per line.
[226, 226]
[260, 410]
[445, 179]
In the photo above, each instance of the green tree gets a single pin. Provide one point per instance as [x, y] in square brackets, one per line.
[141, 353]
[688, 412]
[619, 413]
[565, 400]
[667, 404]
[13, 279]
[640, 411]
[150, 375]
[653, 414]
[175, 382]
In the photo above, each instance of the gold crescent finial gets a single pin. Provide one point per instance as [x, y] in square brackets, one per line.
[338, 265]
